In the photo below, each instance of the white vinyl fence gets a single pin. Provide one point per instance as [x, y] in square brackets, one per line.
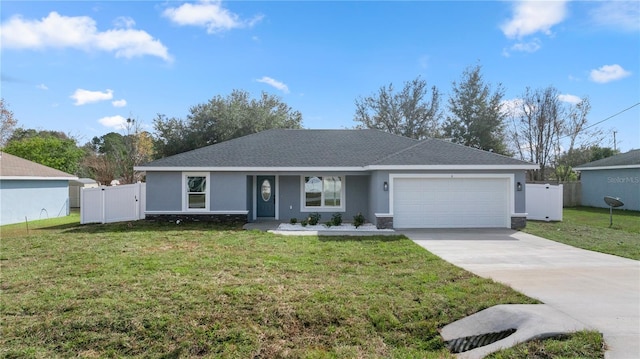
[112, 204]
[544, 202]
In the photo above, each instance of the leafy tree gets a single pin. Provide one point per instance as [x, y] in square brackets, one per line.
[44, 148]
[578, 156]
[7, 123]
[221, 119]
[408, 113]
[476, 116]
[598, 153]
[113, 156]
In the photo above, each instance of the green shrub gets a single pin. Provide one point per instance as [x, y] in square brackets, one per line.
[336, 219]
[304, 222]
[314, 218]
[358, 220]
[293, 220]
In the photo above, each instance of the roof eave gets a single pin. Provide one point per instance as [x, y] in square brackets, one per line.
[39, 178]
[453, 167]
[245, 169]
[335, 168]
[606, 167]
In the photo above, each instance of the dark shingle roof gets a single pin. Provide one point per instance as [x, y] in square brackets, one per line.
[330, 148]
[438, 152]
[624, 159]
[14, 166]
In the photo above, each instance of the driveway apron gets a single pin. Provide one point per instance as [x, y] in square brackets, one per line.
[600, 290]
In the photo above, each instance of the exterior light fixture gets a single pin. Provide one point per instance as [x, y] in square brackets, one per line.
[519, 186]
[385, 186]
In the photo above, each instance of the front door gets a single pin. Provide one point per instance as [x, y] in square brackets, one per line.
[266, 196]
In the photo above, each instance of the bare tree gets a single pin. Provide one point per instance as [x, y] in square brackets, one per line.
[7, 123]
[408, 113]
[580, 138]
[551, 133]
[536, 128]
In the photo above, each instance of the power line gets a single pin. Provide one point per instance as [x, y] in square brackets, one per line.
[606, 119]
[614, 115]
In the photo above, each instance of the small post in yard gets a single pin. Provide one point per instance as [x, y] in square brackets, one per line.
[612, 202]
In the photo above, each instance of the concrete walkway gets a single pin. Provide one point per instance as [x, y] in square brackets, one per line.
[599, 290]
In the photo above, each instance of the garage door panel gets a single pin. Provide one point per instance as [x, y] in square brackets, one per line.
[451, 202]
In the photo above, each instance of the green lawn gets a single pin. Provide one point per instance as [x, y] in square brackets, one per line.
[145, 289]
[588, 228]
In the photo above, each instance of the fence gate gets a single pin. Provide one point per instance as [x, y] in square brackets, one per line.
[112, 204]
[544, 202]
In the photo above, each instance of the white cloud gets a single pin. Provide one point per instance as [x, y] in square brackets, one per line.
[78, 32]
[210, 15]
[531, 16]
[84, 97]
[530, 46]
[608, 73]
[119, 103]
[42, 87]
[572, 99]
[124, 22]
[275, 83]
[512, 108]
[622, 15]
[116, 122]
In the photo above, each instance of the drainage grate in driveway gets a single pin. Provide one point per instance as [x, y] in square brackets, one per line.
[460, 345]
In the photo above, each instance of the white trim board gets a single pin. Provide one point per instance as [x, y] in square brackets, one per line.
[341, 169]
[36, 178]
[607, 168]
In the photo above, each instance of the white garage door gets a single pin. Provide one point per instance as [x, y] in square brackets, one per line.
[451, 202]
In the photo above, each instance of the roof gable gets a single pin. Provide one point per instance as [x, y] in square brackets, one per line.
[629, 159]
[14, 167]
[354, 149]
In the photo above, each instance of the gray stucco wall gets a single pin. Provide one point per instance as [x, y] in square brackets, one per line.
[33, 199]
[378, 198]
[357, 198]
[228, 191]
[164, 191]
[520, 196]
[622, 183]
[249, 195]
[357, 191]
[289, 198]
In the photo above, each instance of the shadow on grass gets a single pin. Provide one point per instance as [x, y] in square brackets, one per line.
[362, 238]
[621, 211]
[153, 226]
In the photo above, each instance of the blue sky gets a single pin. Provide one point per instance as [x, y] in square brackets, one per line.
[84, 67]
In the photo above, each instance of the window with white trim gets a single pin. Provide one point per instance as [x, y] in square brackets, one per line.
[196, 191]
[323, 193]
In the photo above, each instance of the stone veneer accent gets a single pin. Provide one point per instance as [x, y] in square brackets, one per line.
[518, 222]
[210, 218]
[384, 222]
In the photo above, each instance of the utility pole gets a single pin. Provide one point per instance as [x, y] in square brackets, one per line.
[614, 141]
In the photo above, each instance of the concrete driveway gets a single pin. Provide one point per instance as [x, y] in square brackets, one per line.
[600, 290]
